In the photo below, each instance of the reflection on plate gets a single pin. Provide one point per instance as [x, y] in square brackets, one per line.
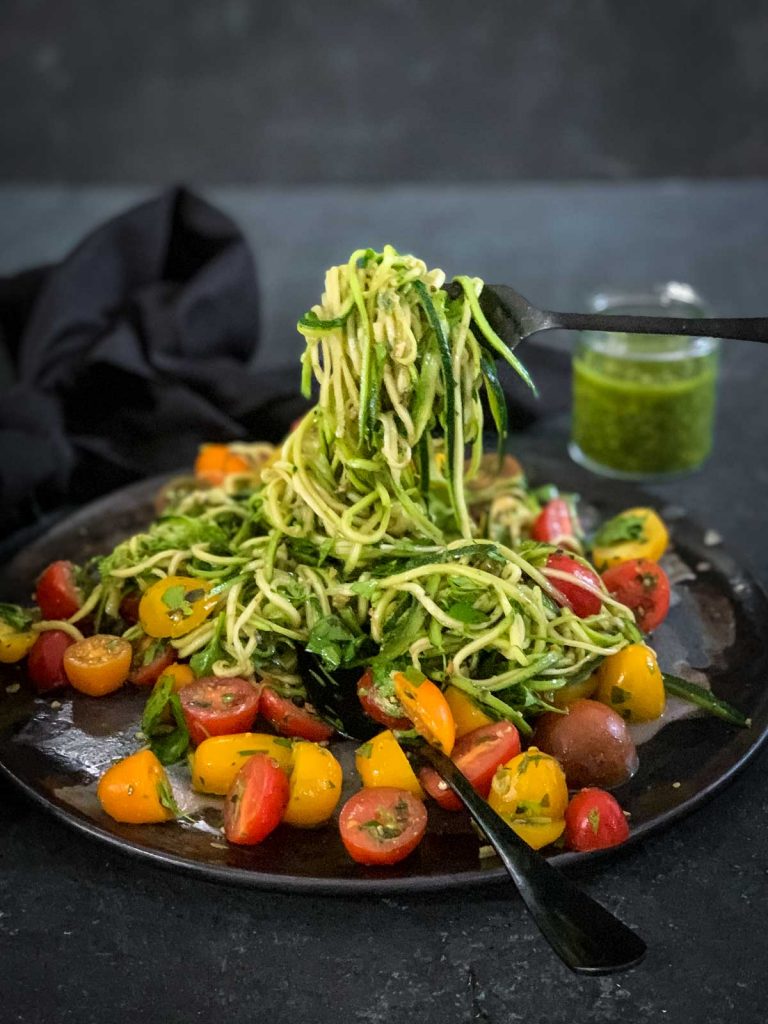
[56, 753]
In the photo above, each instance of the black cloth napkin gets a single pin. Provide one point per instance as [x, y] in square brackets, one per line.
[131, 352]
[136, 348]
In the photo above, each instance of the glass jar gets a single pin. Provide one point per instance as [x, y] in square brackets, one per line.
[644, 404]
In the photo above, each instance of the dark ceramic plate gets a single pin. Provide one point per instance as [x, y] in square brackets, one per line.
[55, 755]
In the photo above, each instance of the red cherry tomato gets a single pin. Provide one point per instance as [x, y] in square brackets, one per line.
[642, 586]
[289, 719]
[129, 608]
[218, 707]
[382, 826]
[378, 707]
[582, 601]
[45, 661]
[150, 659]
[477, 754]
[256, 800]
[554, 524]
[594, 821]
[57, 594]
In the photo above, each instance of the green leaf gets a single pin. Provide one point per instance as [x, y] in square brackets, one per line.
[163, 722]
[705, 699]
[15, 616]
[594, 820]
[167, 799]
[465, 612]
[333, 642]
[175, 599]
[365, 750]
[365, 588]
[203, 661]
[622, 529]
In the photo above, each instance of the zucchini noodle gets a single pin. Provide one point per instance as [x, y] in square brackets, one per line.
[379, 533]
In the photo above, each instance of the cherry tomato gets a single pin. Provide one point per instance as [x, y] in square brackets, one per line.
[582, 601]
[530, 794]
[136, 790]
[99, 664]
[554, 524]
[45, 664]
[17, 643]
[215, 462]
[315, 785]
[379, 707]
[291, 720]
[256, 801]
[467, 713]
[477, 755]
[382, 763]
[427, 708]
[217, 707]
[591, 742]
[217, 760]
[594, 821]
[180, 674]
[129, 608]
[150, 659]
[175, 605]
[631, 683]
[382, 826]
[642, 586]
[636, 533]
[57, 594]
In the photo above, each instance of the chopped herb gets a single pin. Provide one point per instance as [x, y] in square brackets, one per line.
[167, 799]
[622, 529]
[228, 698]
[380, 831]
[618, 695]
[365, 750]
[414, 676]
[250, 753]
[283, 741]
[203, 661]
[594, 819]
[15, 616]
[464, 612]
[333, 642]
[175, 599]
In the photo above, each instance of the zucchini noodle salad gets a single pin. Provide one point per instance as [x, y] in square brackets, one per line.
[378, 548]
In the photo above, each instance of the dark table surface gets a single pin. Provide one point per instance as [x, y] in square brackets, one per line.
[87, 935]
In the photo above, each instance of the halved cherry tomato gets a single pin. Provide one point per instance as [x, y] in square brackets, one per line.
[477, 755]
[531, 790]
[17, 643]
[382, 826]
[57, 594]
[180, 674]
[382, 763]
[315, 785]
[642, 586]
[291, 720]
[256, 801]
[217, 760]
[377, 706]
[636, 533]
[217, 707]
[217, 461]
[632, 684]
[582, 601]
[554, 524]
[467, 713]
[175, 605]
[427, 708]
[594, 821]
[129, 608]
[136, 790]
[99, 664]
[45, 664]
[150, 659]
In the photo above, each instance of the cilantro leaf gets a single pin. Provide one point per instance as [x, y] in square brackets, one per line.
[622, 529]
[332, 641]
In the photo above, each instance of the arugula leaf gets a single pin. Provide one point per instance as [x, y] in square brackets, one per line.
[15, 616]
[333, 642]
[202, 661]
[163, 722]
[621, 529]
[465, 612]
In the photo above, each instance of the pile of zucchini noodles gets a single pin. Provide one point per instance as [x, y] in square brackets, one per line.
[379, 533]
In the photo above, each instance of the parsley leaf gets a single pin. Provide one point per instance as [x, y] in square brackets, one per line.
[333, 642]
[163, 722]
[465, 612]
[622, 529]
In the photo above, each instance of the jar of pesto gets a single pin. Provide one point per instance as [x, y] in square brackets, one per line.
[644, 404]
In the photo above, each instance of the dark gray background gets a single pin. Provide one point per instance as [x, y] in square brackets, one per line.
[404, 90]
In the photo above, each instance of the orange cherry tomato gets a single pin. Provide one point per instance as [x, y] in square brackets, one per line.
[136, 790]
[181, 674]
[99, 664]
[467, 713]
[175, 605]
[426, 706]
[217, 461]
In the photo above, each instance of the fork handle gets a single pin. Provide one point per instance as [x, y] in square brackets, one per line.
[737, 328]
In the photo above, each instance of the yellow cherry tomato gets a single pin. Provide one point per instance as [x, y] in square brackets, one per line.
[316, 779]
[631, 683]
[530, 793]
[426, 706]
[381, 762]
[574, 691]
[136, 790]
[98, 664]
[181, 675]
[467, 713]
[175, 606]
[636, 533]
[217, 760]
[14, 644]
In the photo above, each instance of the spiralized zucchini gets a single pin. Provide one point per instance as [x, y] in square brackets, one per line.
[379, 533]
